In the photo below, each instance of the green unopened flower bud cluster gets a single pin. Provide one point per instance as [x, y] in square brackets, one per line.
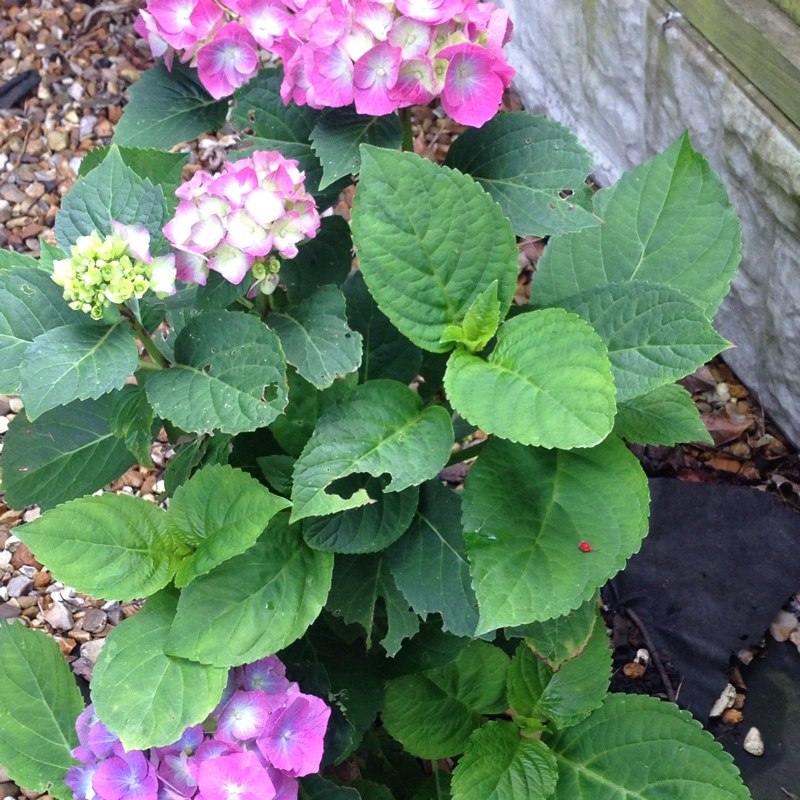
[99, 273]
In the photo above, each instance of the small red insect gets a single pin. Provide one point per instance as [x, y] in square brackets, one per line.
[585, 547]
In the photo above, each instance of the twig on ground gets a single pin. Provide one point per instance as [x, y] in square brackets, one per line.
[634, 617]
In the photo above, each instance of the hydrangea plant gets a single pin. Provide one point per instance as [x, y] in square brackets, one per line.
[436, 642]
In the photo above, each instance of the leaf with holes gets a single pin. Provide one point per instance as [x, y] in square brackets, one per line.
[380, 427]
[76, 362]
[229, 374]
[144, 696]
[316, 338]
[547, 382]
[667, 221]
[527, 565]
[429, 241]
[524, 162]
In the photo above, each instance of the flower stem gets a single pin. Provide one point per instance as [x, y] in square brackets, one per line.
[408, 132]
[466, 453]
[144, 337]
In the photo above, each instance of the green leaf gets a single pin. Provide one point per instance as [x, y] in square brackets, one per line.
[641, 748]
[338, 134]
[437, 787]
[558, 640]
[524, 162]
[39, 703]
[567, 695]
[228, 374]
[277, 472]
[387, 353]
[430, 565]
[219, 513]
[11, 259]
[667, 221]
[526, 562]
[76, 362]
[161, 168]
[316, 339]
[368, 528]
[654, 334]
[144, 696]
[380, 427]
[254, 604]
[30, 305]
[294, 427]
[666, 415]
[315, 787]
[547, 382]
[499, 764]
[168, 107]
[67, 453]
[359, 580]
[131, 419]
[480, 322]
[112, 546]
[434, 713]
[112, 191]
[324, 260]
[429, 241]
[429, 649]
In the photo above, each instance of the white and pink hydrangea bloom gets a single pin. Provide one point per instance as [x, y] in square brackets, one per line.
[233, 222]
[381, 55]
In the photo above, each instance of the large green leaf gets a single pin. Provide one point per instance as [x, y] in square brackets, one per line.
[112, 191]
[429, 241]
[559, 639]
[526, 561]
[67, 453]
[359, 580]
[144, 696]
[566, 695]
[430, 565]
[229, 374]
[667, 221]
[219, 513]
[339, 133]
[131, 419]
[254, 604]
[387, 353]
[433, 713]
[379, 427]
[168, 107]
[76, 362]
[524, 162]
[666, 415]
[39, 703]
[368, 528]
[316, 338]
[113, 546]
[640, 748]
[315, 787]
[500, 764]
[324, 260]
[654, 334]
[11, 259]
[548, 382]
[30, 304]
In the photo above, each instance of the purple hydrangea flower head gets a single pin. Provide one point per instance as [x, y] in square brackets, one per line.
[238, 776]
[268, 675]
[102, 742]
[228, 61]
[126, 777]
[293, 738]
[244, 717]
[79, 779]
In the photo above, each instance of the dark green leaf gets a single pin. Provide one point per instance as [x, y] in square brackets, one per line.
[315, 787]
[10, 259]
[131, 419]
[68, 452]
[168, 107]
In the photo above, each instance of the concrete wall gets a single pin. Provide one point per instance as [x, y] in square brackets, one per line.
[628, 79]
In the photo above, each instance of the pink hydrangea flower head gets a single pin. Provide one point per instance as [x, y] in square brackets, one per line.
[244, 717]
[126, 777]
[179, 772]
[431, 12]
[376, 17]
[417, 82]
[296, 85]
[374, 75]
[474, 83]
[137, 237]
[234, 184]
[286, 787]
[245, 234]
[412, 37]
[214, 748]
[191, 268]
[293, 738]
[267, 20]
[230, 262]
[228, 61]
[184, 23]
[147, 27]
[332, 75]
[239, 776]
[267, 675]
[195, 187]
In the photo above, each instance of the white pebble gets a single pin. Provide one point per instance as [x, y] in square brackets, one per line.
[5, 556]
[75, 91]
[3, 593]
[12, 540]
[31, 514]
[158, 487]
[16, 404]
[745, 656]
[86, 125]
[642, 656]
[3, 425]
[753, 743]
[27, 570]
[782, 626]
[725, 700]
